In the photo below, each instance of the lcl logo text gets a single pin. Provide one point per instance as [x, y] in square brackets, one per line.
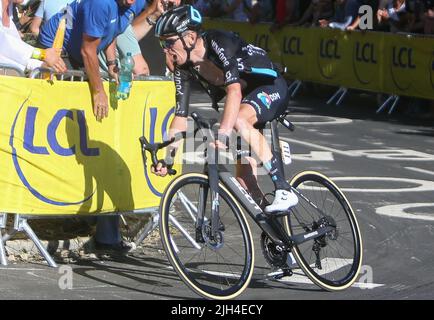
[292, 45]
[29, 134]
[403, 58]
[366, 53]
[329, 49]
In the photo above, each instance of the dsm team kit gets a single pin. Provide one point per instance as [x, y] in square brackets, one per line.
[309, 224]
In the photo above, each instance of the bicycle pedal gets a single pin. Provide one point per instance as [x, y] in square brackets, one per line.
[282, 273]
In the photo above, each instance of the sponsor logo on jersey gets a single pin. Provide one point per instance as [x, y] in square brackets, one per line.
[220, 53]
[267, 99]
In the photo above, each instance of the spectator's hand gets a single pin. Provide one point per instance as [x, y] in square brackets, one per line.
[53, 60]
[113, 72]
[323, 23]
[159, 170]
[100, 105]
[162, 4]
[351, 28]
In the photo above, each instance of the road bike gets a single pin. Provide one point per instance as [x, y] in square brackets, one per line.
[208, 241]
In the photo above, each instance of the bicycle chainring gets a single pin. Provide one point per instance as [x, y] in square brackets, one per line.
[272, 255]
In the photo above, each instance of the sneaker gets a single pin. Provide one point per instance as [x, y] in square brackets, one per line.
[117, 248]
[283, 200]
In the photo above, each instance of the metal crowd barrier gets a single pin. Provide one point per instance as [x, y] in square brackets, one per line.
[21, 220]
[9, 70]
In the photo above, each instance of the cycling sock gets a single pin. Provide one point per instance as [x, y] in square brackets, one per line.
[277, 176]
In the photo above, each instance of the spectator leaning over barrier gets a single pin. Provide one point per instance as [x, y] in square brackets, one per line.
[92, 26]
[346, 14]
[46, 9]
[141, 25]
[14, 51]
[316, 11]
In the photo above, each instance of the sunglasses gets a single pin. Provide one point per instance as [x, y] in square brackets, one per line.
[168, 43]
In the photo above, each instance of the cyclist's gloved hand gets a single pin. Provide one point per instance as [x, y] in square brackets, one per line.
[161, 169]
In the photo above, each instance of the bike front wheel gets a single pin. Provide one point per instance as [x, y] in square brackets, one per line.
[215, 267]
[331, 261]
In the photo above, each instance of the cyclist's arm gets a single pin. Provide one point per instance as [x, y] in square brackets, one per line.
[232, 79]
[179, 122]
[231, 108]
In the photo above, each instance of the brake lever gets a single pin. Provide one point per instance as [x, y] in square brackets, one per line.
[152, 148]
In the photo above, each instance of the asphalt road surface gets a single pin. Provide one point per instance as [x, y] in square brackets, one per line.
[384, 166]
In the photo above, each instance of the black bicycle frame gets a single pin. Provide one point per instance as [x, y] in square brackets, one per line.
[268, 223]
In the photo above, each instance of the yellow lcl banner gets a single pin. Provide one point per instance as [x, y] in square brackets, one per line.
[55, 158]
[373, 61]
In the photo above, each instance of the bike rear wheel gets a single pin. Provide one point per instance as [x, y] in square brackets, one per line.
[215, 268]
[331, 261]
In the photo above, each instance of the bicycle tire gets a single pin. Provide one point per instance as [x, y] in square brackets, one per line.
[315, 181]
[202, 283]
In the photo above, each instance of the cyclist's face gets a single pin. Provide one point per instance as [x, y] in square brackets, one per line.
[174, 50]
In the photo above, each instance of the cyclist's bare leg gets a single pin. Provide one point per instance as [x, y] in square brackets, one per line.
[245, 126]
[247, 172]
[284, 198]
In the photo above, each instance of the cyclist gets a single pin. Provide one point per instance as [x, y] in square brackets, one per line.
[226, 65]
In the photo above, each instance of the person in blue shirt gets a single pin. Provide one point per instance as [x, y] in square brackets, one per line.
[46, 9]
[92, 26]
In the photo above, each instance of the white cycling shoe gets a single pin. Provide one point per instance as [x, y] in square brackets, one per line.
[283, 200]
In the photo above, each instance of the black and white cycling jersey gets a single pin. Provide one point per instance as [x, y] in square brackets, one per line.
[228, 59]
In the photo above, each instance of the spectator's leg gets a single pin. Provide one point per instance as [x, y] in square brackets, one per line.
[107, 230]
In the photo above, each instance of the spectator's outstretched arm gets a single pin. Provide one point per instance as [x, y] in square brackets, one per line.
[35, 25]
[343, 25]
[23, 54]
[91, 64]
[355, 24]
[141, 25]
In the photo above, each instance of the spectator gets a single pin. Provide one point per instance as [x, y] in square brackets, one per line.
[346, 14]
[92, 26]
[238, 10]
[262, 11]
[428, 17]
[285, 13]
[393, 15]
[93, 32]
[47, 9]
[16, 52]
[209, 8]
[416, 10]
[316, 11]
